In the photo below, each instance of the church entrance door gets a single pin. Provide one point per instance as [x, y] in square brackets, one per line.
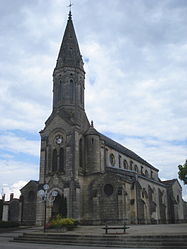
[59, 206]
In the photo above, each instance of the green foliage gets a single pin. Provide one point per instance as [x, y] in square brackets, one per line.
[7, 224]
[59, 222]
[183, 172]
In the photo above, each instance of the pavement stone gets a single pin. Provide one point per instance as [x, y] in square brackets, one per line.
[161, 229]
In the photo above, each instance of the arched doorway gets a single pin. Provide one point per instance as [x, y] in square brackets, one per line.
[59, 206]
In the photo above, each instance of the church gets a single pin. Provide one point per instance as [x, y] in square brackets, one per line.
[96, 179]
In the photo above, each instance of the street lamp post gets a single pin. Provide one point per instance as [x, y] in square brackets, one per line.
[45, 196]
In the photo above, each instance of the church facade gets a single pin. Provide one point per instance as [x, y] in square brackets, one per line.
[97, 179]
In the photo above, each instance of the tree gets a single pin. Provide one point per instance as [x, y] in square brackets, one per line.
[183, 172]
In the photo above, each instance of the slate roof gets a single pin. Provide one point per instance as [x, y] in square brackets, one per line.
[169, 182]
[29, 183]
[114, 145]
[69, 54]
[92, 131]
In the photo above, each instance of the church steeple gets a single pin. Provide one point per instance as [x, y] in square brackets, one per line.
[68, 76]
[69, 54]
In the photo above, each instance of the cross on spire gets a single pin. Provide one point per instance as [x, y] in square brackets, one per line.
[69, 6]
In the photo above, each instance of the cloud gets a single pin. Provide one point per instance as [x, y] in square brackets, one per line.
[13, 172]
[14, 188]
[17, 144]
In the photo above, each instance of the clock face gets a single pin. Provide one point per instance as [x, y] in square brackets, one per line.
[59, 139]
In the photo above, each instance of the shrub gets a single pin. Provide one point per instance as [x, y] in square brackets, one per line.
[7, 224]
[59, 222]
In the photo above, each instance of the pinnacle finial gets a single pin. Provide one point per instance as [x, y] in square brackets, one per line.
[92, 123]
[70, 15]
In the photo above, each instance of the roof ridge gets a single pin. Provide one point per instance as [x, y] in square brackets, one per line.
[126, 151]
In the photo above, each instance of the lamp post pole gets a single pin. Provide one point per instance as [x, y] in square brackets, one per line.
[45, 215]
[46, 196]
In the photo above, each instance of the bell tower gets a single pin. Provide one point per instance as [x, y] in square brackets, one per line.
[60, 138]
[69, 75]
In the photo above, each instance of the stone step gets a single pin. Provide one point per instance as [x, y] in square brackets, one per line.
[73, 236]
[102, 243]
[151, 246]
[105, 241]
[106, 238]
[112, 241]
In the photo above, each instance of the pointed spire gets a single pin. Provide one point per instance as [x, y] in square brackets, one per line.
[69, 54]
[70, 15]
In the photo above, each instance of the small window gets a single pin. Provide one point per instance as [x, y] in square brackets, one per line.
[119, 158]
[136, 168]
[131, 163]
[112, 159]
[71, 90]
[80, 153]
[61, 160]
[54, 161]
[152, 175]
[146, 173]
[125, 164]
[142, 170]
[120, 190]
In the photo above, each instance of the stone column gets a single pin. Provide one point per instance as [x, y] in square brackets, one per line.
[5, 212]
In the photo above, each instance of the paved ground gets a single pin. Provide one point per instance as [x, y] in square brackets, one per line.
[134, 230]
[172, 229]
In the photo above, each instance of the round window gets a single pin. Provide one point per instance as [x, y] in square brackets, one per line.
[108, 189]
[112, 159]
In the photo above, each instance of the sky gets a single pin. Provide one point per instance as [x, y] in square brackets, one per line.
[135, 55]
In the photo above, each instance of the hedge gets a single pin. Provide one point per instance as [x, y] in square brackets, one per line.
[4, 224]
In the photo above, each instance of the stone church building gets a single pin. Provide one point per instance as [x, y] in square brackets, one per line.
[97, 179]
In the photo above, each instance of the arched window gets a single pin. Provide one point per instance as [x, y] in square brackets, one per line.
[55, 94]
[59, 91]
[146, 173]
[131, 163]
[61, 161]
[119, 161]
[112, 159]
[54, 161]
[71, 90]
[125, 164]
[81, 94]
[80, 153]
[136, 168]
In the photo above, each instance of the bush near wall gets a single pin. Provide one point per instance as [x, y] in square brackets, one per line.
[8, 224]
[59, 222]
